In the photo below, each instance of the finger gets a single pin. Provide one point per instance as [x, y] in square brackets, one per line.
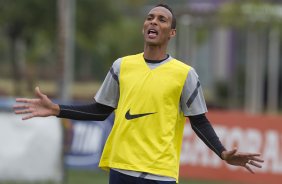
[229, 154]
[38, 92]
[257, 159]
[32, 115]
[253, 154]
[249, 154]
[255, 164]
[25, 111]
[20, 106]
[232, 152]
[249, 169]
[28, 117]
[27, 100]
[23, 100]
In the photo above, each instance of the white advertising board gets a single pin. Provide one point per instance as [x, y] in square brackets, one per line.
[30, 150]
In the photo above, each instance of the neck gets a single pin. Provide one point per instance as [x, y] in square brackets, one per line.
[155, 52]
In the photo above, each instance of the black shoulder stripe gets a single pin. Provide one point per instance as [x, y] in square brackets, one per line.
[193, 96]
[114, 75]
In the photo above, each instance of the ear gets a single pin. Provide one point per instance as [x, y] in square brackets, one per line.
[143, 31]
[172, 33]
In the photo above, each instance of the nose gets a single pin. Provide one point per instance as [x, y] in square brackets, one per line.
[153, 21]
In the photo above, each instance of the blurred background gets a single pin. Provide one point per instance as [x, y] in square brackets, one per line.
[66, 47]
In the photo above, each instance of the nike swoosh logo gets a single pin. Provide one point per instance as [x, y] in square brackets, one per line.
[129, 116]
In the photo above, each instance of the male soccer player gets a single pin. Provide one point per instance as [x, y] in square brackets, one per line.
[151, 93]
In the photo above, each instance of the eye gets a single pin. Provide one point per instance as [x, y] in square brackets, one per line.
[162, 19]
[149, 18]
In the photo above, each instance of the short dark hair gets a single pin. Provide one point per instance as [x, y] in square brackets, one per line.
[173, 23]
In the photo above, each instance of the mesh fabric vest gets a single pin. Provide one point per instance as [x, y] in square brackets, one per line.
[148, 127]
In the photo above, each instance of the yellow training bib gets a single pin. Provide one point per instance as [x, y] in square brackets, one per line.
[148, 127]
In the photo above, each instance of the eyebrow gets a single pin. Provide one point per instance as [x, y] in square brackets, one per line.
[161, 16]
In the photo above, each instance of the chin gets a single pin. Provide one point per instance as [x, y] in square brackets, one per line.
[152, 43]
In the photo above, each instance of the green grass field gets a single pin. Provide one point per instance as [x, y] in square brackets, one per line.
[101, 177]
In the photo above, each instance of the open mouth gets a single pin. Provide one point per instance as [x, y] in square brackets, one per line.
[152, 33]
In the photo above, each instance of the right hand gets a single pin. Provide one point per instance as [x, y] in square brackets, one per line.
[41, 106]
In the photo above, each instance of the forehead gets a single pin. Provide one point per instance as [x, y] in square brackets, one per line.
[160, 11]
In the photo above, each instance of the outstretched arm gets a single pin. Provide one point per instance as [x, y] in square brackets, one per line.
[43, 107]
[202, 127]
[94, 111]
[204, 130]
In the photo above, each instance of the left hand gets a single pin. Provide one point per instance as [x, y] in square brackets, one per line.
[242, 159]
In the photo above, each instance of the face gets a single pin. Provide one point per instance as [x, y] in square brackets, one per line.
[157, 29]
